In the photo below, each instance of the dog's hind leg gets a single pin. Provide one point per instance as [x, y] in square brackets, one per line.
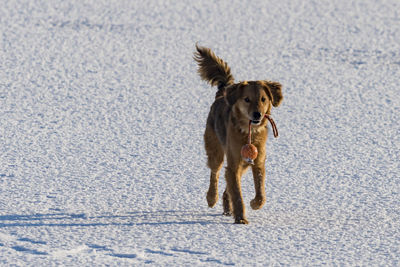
[215, 154]
[233, 182]
[227, 204]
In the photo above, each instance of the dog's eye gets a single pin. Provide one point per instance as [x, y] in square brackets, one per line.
[247, 100]
[262, 99]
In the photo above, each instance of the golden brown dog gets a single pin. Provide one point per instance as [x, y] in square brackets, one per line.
[235, 106]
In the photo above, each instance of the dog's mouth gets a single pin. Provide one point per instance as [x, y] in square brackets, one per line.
[255, 122]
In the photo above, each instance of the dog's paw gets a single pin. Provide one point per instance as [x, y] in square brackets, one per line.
[227, 209]
[212, 199]
[227, 213]
[257, 203]
[241, 220]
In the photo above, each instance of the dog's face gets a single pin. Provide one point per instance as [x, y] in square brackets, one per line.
[254, 99]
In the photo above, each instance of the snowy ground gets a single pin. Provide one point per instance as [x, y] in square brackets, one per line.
[101, 122]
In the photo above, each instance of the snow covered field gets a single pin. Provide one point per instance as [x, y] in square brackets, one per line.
[102, 115]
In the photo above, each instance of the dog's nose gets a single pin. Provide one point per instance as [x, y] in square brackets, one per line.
[256, 115]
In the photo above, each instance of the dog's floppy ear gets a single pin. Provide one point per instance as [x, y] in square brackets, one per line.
[274, 91]
[232, 93]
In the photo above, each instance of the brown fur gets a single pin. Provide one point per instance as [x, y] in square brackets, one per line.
[227, 129]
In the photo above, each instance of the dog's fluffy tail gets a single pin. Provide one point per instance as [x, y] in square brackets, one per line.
[213, 69]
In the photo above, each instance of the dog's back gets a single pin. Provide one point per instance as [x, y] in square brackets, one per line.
[217, 73]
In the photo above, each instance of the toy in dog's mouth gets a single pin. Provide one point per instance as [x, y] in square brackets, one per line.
[273, 125]
[249, 152]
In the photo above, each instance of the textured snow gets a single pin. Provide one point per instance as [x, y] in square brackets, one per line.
[101, 122]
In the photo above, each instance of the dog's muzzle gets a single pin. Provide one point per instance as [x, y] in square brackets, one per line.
[256, 118]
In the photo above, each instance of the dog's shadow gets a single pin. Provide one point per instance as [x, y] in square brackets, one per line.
[135, 218]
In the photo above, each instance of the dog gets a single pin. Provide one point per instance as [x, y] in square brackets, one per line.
[236, 105]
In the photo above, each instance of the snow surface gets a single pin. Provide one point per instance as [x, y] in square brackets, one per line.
[102, 115]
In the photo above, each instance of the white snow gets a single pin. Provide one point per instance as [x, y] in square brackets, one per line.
[102, 115]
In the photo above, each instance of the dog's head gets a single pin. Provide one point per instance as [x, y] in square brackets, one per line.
[254, 99]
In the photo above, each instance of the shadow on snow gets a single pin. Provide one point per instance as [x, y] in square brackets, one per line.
[167, 217]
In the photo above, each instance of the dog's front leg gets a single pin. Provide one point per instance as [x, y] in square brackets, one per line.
[212, 193]
[215, 155]
[233, 182]
[258, 170]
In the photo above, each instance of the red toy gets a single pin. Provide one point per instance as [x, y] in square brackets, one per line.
[249, 152]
